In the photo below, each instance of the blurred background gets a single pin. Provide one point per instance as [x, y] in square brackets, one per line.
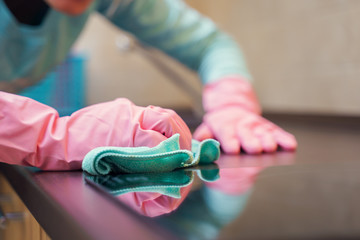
[304, 57]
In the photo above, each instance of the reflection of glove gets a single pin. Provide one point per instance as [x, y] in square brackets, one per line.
[152, 194]
[153, 204]
[233, 118]
[149, 194]
[235, 181]
[32, 134]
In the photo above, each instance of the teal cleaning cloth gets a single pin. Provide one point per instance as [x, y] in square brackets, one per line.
[165, 157]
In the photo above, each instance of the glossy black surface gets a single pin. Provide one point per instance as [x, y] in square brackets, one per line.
[313, 193]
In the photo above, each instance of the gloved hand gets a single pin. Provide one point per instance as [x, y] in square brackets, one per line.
[32, 134]
[233, 118]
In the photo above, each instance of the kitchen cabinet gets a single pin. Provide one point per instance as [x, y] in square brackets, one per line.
[16, 221]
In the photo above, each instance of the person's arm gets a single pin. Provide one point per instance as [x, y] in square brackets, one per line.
[182, 33]
[232, 111]
[33, 134]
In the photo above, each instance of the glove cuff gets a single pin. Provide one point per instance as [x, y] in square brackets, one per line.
[230, 91]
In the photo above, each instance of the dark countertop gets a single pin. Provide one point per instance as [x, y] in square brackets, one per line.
[313, 193]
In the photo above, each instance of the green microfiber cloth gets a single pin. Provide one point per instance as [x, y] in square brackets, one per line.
[164, 157]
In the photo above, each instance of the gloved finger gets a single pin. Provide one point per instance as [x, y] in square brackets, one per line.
[166, 122]
[229, 142]
[202, 132]
[285, 140]
[266, 138]
[249, 142]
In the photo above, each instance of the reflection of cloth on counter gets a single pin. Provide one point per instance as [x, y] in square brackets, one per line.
[152, 194]
[166, 183]
[165, 157]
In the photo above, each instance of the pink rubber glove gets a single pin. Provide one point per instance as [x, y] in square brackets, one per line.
[32, 134]
[233, 118]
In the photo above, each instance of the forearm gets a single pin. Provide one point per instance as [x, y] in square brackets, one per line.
[25, 128]
[32, 134]
[184, 34]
